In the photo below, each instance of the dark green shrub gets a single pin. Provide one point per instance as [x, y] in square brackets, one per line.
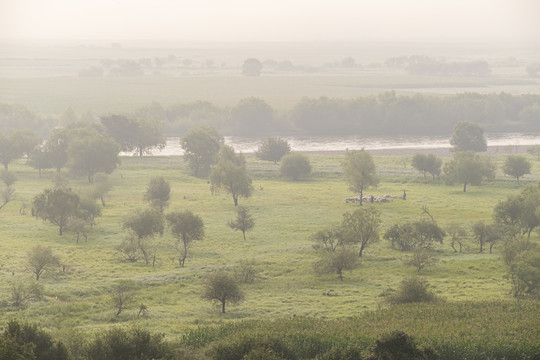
[411, 290]
[397, 345]
[133, 344]
[349, 352]
[28, 336]
[252, 348]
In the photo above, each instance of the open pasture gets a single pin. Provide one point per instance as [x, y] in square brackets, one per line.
[285, 213]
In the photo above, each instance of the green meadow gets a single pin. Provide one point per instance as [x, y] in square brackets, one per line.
[77, 296]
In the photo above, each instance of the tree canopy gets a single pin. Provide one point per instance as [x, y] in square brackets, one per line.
[230, 173]
[186, 228]
[295, 166]
[272, 149]
[468, 168]
[516, 166]
[223, 288]
[201, 146]
[359, 171]
[56, 206]
[468, 137]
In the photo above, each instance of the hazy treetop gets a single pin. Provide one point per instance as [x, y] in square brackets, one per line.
[276, 20]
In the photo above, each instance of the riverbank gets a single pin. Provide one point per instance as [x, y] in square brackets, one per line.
[442, 152]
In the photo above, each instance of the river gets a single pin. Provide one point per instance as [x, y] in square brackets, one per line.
[342, 143]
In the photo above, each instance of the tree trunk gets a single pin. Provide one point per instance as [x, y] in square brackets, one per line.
[244, 234]
[362, 246]
[223, 306]
[465, 187]
[235, 198]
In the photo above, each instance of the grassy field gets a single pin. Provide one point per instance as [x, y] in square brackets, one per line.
[285, 213]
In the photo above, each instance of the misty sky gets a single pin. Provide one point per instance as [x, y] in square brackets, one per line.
[272, 20]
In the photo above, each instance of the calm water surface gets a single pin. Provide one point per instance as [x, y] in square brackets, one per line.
[341, 143]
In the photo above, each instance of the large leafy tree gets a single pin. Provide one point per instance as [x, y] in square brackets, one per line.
[468, 168]
[223, 288]
[468, 137]
[186, 228]
[56, 206]
[230, 174]
[90, 152]
[295, 166]
[359, 171]
[201, 146]
[362, 227]
[516, 166]
[139, 135]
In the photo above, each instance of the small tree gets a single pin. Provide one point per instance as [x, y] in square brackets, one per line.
[7, 191]
[359, 171]
[158, 193]
[422, 258]
[40, 259]
[123, 295]
[145, 224]
[102, 186]
[328, 239]
[516, 166]
[230, 173]
[56, 206]
[427, 164]
[524, 274]
[252, 67]
[243, 222]
[273, 149]
[222, 288]
[186, 228]
[295, 167]
[343, 259]
[468, 168]
[22, 293]
[457, 233]
[361, 227]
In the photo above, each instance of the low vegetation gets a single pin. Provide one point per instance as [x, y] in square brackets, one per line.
[288, 309]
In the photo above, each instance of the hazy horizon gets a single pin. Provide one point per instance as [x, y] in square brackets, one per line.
[213, 21]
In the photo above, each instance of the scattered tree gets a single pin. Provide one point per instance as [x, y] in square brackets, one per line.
[243, 222]
[40, 259]
[361, 227]
[524, 274]
[230, 173]
[421, 258]
[90, 152]
[222, 288]
[137, 135]
[295, 166]
[158, 193]
[468, 168]
[24, 292]
[516, 166]
[342, 259]
[145, 224]
[457, 233]
[7, 191]
[468, 137]
[123, 295]
[485, 233]
[56, 206]
[252, 67]
[414, 235]
[186, 228]
[427, 163]
[359, 171]
[328, 239]
[201, 147]
[102, 186]
[272, 149]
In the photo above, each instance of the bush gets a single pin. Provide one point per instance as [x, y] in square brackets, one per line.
[252, 348]
[411, 290]
[338, 352]
[31, 340]
[120, 344]
[398, 345]
[295, 166]
[272, 149]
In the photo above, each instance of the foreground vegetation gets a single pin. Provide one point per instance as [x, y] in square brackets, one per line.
[286, 300]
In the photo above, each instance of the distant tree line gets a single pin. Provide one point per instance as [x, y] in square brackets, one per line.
[424, 65]
[383, 114]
